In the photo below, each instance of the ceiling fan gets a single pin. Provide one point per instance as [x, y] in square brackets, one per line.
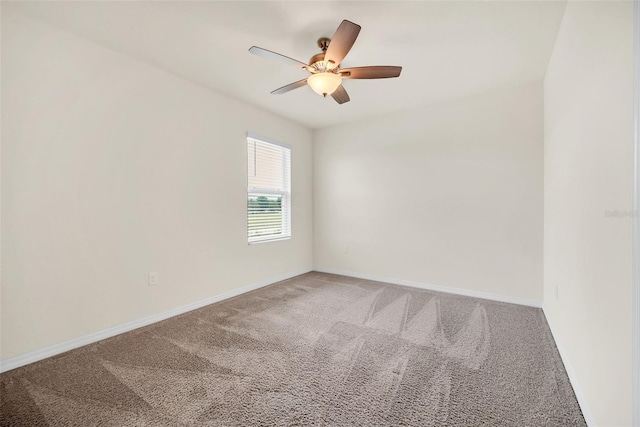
[326, 74]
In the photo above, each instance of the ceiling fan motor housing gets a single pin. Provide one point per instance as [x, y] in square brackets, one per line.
[317, 60]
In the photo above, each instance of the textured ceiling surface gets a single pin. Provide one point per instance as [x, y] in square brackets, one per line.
[447, 49]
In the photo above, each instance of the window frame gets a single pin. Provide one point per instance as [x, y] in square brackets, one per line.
[286, 205]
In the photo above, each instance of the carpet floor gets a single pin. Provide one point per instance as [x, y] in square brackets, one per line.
[318, 349]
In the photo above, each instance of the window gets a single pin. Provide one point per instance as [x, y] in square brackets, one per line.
[268, 190]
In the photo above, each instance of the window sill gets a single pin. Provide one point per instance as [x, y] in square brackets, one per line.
[278, 239]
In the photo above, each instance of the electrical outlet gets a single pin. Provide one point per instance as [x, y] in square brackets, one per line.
[154, 278]
[345, 249]
[557, 292]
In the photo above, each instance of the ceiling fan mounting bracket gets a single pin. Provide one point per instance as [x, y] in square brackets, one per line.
[323, 43]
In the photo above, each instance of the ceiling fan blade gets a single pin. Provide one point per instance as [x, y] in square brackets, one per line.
[340, 95]
[374, 72]
[342, 41]
[289, 87]
[276, 56]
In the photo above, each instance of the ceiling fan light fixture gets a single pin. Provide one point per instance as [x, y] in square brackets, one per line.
[324, 83]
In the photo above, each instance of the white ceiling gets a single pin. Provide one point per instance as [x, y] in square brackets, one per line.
[447, 49]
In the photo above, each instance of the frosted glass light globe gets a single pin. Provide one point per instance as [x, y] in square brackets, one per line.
[324, 83]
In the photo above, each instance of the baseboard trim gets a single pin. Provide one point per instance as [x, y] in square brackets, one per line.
[432, 287]
[571, 374]
[53, 350]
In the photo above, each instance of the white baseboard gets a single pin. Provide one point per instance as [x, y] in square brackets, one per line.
[34, 356]
[571, 374]
[439, 288]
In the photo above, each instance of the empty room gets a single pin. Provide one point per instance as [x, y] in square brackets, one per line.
[292, 213]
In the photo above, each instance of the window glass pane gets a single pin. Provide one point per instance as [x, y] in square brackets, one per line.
[265, 215]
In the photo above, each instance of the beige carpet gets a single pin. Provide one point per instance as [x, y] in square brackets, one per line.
[317, 349]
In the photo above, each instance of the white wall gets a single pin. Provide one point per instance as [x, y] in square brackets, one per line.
[449, 195]
[111, 169]
[588, 171]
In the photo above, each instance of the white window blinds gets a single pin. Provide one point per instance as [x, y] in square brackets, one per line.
[268, 190]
